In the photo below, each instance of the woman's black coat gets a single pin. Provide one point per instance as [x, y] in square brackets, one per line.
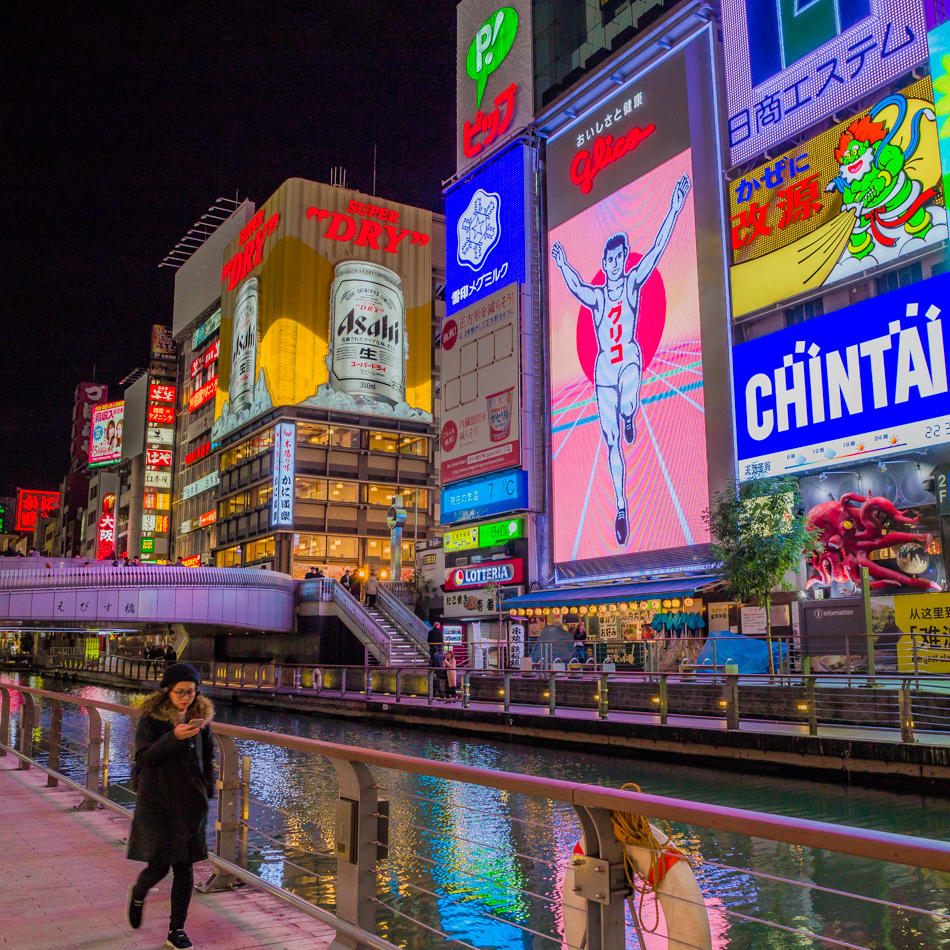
[174, 780]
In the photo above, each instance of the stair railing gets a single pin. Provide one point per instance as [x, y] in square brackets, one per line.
[356, 616]
[416, 630]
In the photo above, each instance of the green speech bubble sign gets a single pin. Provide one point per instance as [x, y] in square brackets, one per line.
[493, 40]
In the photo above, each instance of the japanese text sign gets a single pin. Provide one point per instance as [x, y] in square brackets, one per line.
[282, 499]
[32, 504]
[203, 394]
[859, 195]
[789, 64]
[486, 495]
[485, 230]
[158, 392]
[105, 437]
[494, 75]
[211, 325]
[88, 395]
[808, 396]
[161, 414]
[491, 572]
[481, 388]
[924, 618]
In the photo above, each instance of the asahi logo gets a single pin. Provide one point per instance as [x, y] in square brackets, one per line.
[383, 329]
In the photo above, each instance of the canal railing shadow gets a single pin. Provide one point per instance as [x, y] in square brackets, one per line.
[361, 884]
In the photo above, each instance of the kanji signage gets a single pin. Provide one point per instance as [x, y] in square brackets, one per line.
[486, 495]
[494, 75]
[158, 392]
[164, 346]
[282, 499]
[203, 394]
[855, 197]
[808, 396]
[205, 359]
[485, 230]
[491, 572]
[158, 457]
[790, 64]
[199, 486]
[105, 436]
[464, 539]
[32, 504]
[165, 414]
[197, 453]
[924, 619]
[88, 395]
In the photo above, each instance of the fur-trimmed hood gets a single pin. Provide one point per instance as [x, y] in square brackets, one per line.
[160, 707]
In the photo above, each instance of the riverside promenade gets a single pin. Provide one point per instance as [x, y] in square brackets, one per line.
[65, 877]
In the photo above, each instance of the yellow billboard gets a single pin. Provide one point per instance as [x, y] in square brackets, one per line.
[857, 196]
[924, 618]
[327, 302]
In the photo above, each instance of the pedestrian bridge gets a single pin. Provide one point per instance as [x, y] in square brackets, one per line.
[71, 591]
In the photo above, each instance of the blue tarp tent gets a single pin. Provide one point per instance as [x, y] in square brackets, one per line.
[751, 656]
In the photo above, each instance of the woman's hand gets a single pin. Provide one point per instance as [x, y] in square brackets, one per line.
[186, 730]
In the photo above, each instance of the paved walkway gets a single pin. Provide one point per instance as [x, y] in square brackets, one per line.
[64, 878]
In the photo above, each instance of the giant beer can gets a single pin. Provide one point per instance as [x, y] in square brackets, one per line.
[243, 347]
[368, 346]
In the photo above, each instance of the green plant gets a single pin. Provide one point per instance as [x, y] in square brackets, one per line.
[760, 534]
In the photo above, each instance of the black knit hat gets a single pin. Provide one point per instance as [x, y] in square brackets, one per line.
[180, 673]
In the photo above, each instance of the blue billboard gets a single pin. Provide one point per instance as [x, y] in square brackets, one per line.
[487, 495]
[869, 380]
[485, 231]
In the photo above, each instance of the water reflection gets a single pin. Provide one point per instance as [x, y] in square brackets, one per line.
[486, 867]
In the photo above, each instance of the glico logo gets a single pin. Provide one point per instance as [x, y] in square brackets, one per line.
[478, 230]
[587, 165]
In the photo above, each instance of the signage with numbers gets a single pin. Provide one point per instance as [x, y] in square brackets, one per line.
[487, 495]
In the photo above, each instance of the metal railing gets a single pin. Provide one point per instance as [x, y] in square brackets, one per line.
[352, 860]
[359, 621]
[415, 630]
[104, 574]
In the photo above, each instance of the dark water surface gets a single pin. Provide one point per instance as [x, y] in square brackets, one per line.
[486, 866]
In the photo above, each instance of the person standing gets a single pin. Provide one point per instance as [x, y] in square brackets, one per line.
[437, 663]
[173, 776]
[435, 636]
[451, 676]
[372, 589]
[347, 581]
[170, 655]
[355, 586]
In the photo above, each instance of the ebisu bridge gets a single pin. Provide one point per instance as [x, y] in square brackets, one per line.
[225, 613]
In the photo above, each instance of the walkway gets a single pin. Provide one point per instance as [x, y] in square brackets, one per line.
[65, 877]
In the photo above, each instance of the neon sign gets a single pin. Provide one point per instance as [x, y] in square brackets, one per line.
[606, 151]
[247, 259]
[366, 232]
[203, 394]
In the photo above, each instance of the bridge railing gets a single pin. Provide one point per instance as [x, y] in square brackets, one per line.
[104, 574]
[345, 830]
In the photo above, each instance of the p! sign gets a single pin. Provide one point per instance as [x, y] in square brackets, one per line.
[863, 382]
[491, 45]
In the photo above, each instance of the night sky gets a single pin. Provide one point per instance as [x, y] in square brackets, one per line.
[119, 131]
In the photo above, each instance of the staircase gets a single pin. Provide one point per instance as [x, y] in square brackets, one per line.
[402, 651]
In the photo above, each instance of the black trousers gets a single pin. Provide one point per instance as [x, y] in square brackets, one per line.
[182, 885]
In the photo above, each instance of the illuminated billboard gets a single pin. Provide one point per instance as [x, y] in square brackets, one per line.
[88, 395]
[859, 195]
[810, 396]
[939, 42]
[32, 504]
[790, 64]
[327, 302]
[494, 77]
[627, 387]
[105, 437]
[485, 230]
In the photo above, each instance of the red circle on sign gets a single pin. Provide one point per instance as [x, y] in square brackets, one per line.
[450, 434]
[450, 333]
[651, 320]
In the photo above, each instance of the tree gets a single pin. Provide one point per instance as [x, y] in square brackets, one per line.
[760, 534]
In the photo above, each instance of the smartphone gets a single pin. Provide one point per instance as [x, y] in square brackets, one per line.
[196, 722]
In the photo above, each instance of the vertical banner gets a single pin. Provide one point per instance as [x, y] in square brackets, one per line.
[282, 500]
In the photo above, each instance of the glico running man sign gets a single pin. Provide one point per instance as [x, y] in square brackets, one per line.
[867, 381]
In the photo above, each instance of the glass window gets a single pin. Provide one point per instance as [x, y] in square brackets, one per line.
[260, 550]
[247, 449]
[343, 547]
[310, 545]
[229, 557]
[311, 489]
[408, 551]
[902, 277]
[344, 491]
[396, 443]
[805, 311]
[310, 433]
[384, 495]
[261, 495]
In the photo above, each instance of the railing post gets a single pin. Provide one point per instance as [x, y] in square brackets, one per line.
[93, 758]
[356, 844]
[367, 683]
[106, 742]
[431, 685]
[730, 701]
[226, 824]
[664, 700]
[906, 713]
[399, 685]
[27, 716]
[4, 717]
[342, 682]
[552, 693]
[812, 707]
[55, 739]
[466, 689]
[602, 696]
[245, 810]
[507, 690]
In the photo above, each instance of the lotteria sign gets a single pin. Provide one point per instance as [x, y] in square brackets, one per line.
[479, 575]
[867, 381]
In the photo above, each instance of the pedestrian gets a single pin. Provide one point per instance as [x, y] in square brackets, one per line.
[173, 777]
[356, 586]
[346, 580]
[435, 637]
[147, 655]
[170, 655]
[437, 663]
[451, 676]
[35, 553]
[372, 589]
[136, 561]
[178, 562]
[311, 574]
[580, 644]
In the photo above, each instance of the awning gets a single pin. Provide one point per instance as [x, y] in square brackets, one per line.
[612, 593]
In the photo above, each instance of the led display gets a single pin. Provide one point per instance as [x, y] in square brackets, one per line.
[105, 438]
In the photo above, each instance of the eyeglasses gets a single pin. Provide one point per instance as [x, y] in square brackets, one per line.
[182, 693]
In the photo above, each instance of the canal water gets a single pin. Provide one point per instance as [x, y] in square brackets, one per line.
[486, 867]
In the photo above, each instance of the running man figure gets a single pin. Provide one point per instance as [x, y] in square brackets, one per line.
[618, 369]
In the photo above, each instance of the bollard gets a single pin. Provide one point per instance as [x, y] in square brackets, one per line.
[93, 758]
[398, 685]
[507, 692]
[730, 701]
[602, 696]
[55, 738]
[552, 693]
[906, 713]
[812, 708]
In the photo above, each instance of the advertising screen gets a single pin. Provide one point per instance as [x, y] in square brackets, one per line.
[327, 302]
[939, 43]
[105, 438]
[627, 402]
[485, 230]
[790, 64]
[494, 75]
[32, 504]
[88, 396]
[486, 495]
[811, 396]
[860, 195]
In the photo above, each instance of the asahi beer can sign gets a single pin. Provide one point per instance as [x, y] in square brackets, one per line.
[368, 346]
[243, 347]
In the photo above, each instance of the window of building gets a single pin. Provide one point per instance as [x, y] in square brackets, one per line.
[310, 545]
[229, 557]
[322, 489]
[259, 550]
[902, 277]
[341, 547]
[397, 443]
[804, 311]
[384, 495]
[310, 433]
[247, 449]
[376, 547]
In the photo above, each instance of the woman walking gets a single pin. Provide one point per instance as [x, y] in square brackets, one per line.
[451, 675]
[173, 775]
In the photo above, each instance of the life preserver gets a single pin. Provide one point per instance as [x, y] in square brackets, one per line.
[684, 909]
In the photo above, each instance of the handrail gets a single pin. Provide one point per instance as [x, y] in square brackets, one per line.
[403, 618]
[145, 576]
[366, 624]
[858, 842]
